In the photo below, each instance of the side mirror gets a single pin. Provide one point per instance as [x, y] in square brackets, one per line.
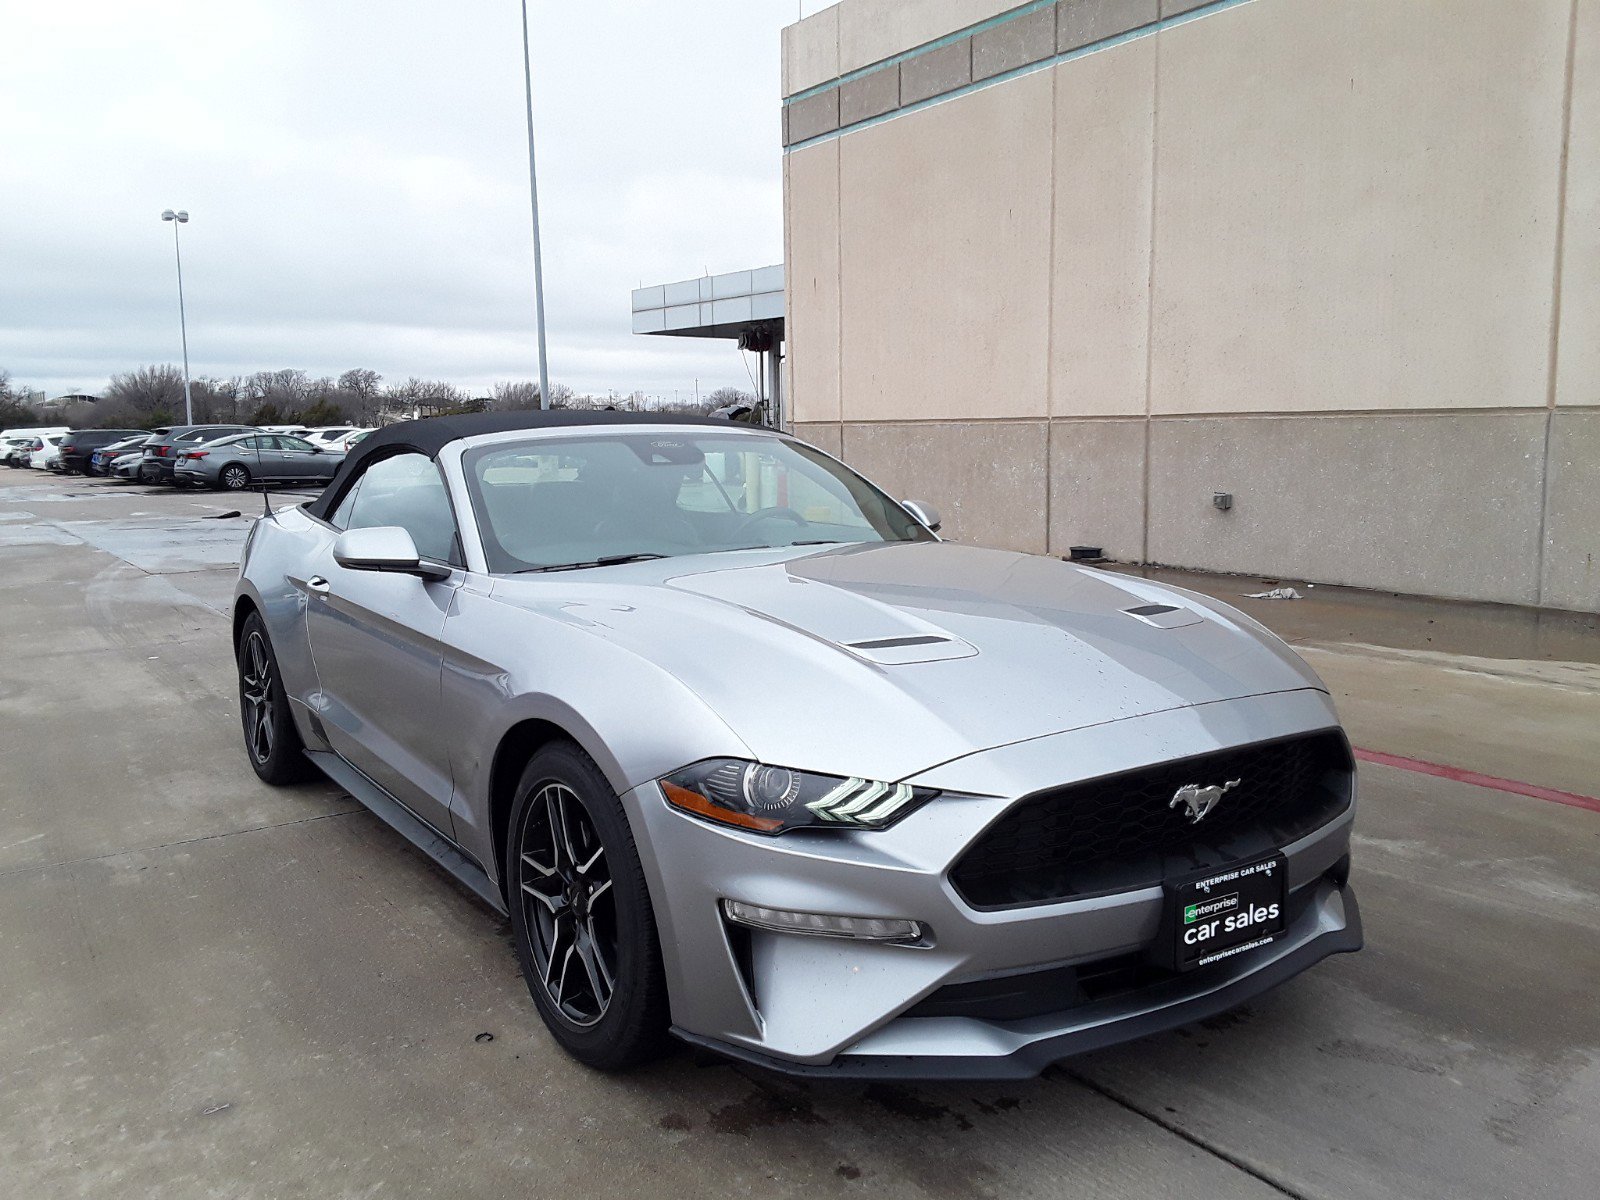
[925, 513]
[385, 548]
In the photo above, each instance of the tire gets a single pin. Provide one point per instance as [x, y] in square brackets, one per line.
[235, 477]
[271, 741]
[585, 891]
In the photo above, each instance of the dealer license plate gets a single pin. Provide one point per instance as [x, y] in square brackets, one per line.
[1226, 912]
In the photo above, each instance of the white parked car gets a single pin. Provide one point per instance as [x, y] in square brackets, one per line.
[334, 437]
[49, 452]
[14, 451]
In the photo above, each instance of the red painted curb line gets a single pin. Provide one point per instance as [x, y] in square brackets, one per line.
[1477, 779]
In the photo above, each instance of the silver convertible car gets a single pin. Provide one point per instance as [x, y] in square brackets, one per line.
[749, 755]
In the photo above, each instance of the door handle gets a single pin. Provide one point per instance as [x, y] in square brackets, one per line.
[318, 585]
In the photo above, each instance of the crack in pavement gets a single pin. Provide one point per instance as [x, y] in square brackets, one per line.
[1176, 1130]
[208, 837]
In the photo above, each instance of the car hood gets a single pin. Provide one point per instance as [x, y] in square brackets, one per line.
[883, 660]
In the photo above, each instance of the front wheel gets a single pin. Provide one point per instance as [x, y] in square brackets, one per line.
[270, 738]
[585, 930]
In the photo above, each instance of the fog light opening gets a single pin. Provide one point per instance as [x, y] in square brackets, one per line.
[782, 920]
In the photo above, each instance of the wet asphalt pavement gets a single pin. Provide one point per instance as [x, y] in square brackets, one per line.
[211, 987]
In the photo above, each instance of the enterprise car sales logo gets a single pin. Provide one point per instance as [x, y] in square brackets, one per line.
[1199, 801]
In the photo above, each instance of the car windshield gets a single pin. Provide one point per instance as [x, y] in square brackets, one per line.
[588, 500]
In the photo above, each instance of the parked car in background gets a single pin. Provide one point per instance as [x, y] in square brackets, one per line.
[48, 453]
[235, 463]
[21, 442]
[77, 446]
[328, 435]
[126, 466]
[14, 451]
[33, 431]
[342, 440]
[161, 453]
[100, 461]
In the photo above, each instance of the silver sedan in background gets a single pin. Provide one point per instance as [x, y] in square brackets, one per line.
[244, 460]
[750, 755]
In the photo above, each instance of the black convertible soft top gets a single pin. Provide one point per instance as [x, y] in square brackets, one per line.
[433, 434]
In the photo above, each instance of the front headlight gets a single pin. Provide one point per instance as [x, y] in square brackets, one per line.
[765, 799]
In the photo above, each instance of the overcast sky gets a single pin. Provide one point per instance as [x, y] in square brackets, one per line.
[356, 172]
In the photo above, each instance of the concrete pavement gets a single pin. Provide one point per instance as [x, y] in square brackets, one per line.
[209, 987]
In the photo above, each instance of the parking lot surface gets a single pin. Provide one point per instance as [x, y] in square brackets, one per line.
[209, 987]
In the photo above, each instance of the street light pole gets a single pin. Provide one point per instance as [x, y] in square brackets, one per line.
[533, 196]
[181, 217]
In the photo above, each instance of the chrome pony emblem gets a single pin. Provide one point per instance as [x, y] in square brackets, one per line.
[1199, 801]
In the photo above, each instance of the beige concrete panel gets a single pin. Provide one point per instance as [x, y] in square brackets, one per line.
[824, 436]
[1097, 487]
[811, 281]
[1572, 518]
[1437, 504]
[1355, 205]
[1101, 279]
[873, 30]
[811, 51]
[986, 478]
[1172, 8]
[1578, 369]
[945, 235]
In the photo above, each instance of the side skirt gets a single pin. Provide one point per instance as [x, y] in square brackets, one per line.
[423, 836]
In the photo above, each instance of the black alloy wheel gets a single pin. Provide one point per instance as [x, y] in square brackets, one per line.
[270, 737]
[585, 929]
[571, 909]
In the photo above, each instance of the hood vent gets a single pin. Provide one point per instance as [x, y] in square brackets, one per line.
[1164, 616]
[908, 648]
[896, 643]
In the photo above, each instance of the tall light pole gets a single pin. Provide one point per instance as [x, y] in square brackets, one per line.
[533, 196]
[181, 217]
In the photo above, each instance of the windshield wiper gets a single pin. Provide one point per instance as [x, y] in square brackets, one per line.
[605, 560]
[817, 542]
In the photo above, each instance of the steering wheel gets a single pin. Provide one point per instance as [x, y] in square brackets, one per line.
[768, 514]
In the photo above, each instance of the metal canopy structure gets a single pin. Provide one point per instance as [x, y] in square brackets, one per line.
[741, 306]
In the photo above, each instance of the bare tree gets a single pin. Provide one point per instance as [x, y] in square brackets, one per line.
[278, 395]
[14, 410]
[147, 392]
[728, 395]
[424, 396]
[516, 395]
[362, 388]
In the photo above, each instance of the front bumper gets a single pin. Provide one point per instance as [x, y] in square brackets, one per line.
[828, 1006]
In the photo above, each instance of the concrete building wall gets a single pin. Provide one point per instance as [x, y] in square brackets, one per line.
[1065, 269]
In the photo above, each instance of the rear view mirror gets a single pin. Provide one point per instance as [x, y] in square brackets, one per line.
[927, 514]
[384, 548]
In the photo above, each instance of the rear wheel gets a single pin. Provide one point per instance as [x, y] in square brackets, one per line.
[270, 738]
[234, 477]
[585, 930]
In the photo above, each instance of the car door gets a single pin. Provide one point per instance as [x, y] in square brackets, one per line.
[301, 459]
[376, 639]
[256, 456]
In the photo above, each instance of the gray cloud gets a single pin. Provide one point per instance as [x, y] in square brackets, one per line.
[357, 177]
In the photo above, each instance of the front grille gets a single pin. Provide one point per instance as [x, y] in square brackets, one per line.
[1119, 832]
